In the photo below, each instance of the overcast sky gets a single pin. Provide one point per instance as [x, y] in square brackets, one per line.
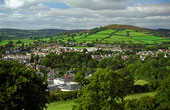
[83, 14]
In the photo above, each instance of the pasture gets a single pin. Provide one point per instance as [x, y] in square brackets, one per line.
[25, 41]
[140, 95]
[67, 105]
[113, 36]
[107, 36]
[62, 105]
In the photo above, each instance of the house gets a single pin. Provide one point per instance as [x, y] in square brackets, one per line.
[65, 83]
[71, 87]
[59, 81]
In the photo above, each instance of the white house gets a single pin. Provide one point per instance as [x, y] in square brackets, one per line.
[59, 81]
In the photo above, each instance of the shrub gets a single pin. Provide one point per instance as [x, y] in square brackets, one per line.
[145, 103]
[58, 96]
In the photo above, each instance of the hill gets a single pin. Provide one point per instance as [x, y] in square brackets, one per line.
[119, 33]
[109, 34]
[17, 33]
[116, 26]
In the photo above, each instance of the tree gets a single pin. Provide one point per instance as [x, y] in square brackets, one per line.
[21, 88]
[128, 34]
[0, 38]
[144, 103]
[36, 57]
[80, 77]
[49, 60]
[32, 58]
[10, 44]
[85, 50]
[163, 95]
[84, 41]
[104, 92]
[18, 42]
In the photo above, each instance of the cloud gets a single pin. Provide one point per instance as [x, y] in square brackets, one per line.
[96, 4]
[88, 4]
[82, 14]
[20, 3]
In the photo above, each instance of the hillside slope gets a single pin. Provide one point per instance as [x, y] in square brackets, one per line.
[17, 33]
[116, 26]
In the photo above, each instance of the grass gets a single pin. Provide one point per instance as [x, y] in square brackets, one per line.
[63, 105]
[25, 41]
[140, 95]
[121, 36]
[141, 82]
[104, 37]
[67, 105]
[109, 31]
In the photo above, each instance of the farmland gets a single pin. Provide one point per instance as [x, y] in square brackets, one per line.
[113, 36]
[108, 36]
[25, 41]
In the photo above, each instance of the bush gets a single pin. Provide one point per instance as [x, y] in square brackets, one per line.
[163, 95]
[145, 103]
[141, 88]
[58, 96]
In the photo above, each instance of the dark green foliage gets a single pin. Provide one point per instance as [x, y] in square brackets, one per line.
[104, 92]
[153, 69]
[145, 103]
[95, 30]
[18, 42]
[6, 33]
[32, 58]
[10, 44]
[128, 34]
[104, 63]
[67, 60]
[21, 88]
[163, 95]
[80, 77]
[36, 58]
[59, 96]
[141, 88]
[114, 63]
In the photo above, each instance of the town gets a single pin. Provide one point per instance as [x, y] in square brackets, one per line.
[66, 82]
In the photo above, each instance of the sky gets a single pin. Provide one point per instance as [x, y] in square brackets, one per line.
[83, 14]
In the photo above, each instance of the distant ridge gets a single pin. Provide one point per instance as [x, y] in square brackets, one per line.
[19, 33]
[117, 26]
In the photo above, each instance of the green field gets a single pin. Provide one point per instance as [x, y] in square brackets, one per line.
[25, 41]
[140, 95]
[141, 82]
[113, 36]
[67, 105]
[106, 36]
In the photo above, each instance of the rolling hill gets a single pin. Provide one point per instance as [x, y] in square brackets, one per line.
[17, 33]
[117, 26]
[120, 33]
[107, 35]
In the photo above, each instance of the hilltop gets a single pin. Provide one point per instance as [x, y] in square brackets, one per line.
[117, 26]
[119, 33]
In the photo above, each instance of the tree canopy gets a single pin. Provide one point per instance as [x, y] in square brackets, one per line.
[104, 92]
[21, 88]
[163, 95]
